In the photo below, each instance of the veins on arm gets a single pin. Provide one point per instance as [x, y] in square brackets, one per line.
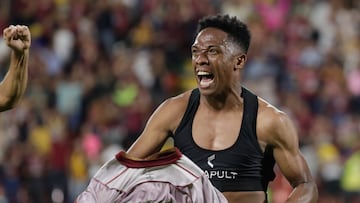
[284, 139]
[285, 142]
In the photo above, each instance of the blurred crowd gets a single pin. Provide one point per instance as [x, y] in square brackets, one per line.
[98, 68]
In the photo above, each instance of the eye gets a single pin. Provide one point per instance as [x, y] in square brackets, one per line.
[194, 52]
[213, 51]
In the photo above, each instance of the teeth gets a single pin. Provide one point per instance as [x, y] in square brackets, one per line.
[201, 73]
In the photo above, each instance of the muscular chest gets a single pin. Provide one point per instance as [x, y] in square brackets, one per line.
[216, 130]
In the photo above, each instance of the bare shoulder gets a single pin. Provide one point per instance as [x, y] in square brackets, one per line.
[177, 103]
[171, 111]
[274, 126]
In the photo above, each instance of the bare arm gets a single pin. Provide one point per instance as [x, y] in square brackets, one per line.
[283, 137]
[162, 122]
[13, 86]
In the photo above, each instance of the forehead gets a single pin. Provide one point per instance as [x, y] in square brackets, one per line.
[210, 37]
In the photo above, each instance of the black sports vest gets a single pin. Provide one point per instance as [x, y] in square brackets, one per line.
[241, 167]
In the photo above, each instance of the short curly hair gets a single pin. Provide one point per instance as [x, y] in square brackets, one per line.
[236, 29]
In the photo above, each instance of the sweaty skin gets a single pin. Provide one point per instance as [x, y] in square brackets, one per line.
[13, 86]
[218, 119]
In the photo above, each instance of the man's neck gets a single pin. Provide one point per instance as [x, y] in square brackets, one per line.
[225, 101]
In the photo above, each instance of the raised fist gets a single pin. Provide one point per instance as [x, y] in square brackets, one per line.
[17, 37]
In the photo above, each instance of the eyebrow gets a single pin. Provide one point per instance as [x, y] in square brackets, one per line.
[208, 47]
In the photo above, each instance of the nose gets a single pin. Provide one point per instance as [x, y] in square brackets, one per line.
[201, 58]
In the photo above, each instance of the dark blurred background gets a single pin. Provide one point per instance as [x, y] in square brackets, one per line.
[98, 68]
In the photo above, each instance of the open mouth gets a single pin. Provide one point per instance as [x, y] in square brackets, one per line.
[205, 78]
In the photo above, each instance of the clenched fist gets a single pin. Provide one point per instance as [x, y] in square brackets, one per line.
[17, 37]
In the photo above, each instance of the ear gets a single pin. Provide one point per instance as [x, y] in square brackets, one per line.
[240, 61]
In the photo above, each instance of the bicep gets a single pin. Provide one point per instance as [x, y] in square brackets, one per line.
[287, 153]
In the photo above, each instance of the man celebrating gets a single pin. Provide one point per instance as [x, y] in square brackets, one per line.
[233, 135]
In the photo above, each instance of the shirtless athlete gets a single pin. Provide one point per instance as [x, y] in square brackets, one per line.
[233, 135]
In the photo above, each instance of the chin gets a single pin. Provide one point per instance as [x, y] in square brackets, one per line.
[206, 91]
